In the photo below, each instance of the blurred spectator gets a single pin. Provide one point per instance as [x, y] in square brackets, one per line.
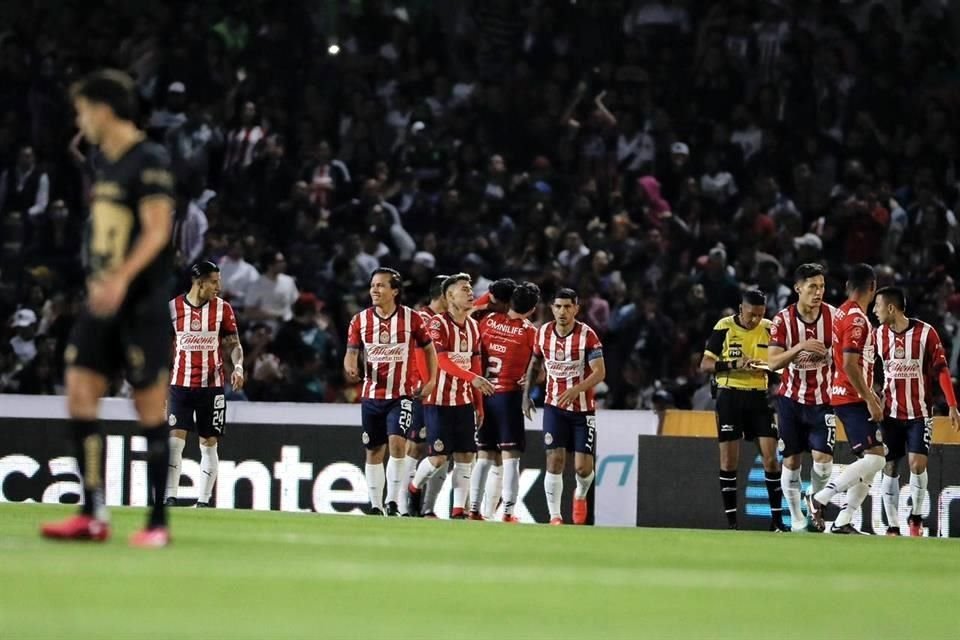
[270, 298]
[237, 275]
[23, 343]
[309, 350]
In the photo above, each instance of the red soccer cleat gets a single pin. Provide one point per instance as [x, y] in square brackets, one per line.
[79, 527]
[475, 515]
[556, 522]
[151, 538]
[511, 519]
[458, 514]
[916, 526]
[579, 511]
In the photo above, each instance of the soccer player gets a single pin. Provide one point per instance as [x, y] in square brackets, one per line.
[417, 433]
[913, 362]
[124, 327]
[203, 324]
[854, 401]
[455, 409]
[387, 333]
[799, 337]
[573, 356]
[736, 354]
[506, 341]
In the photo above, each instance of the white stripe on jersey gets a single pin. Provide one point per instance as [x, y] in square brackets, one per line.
[216, 355]
[582, 350]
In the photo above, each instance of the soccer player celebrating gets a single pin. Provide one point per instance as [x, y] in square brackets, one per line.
[573, 356]
[124, 326]
[203, 324]
[913, 362]
[854, 401]
[507, 341]
[417, 433]
[798, 338]
[736, 354]
[387, 333]
[455, 409]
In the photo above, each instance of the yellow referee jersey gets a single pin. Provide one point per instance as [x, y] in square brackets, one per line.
[729, 341]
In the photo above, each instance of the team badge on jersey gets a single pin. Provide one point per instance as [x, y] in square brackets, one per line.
[899, 352]
[561, 354]
[384, 336]
[438, 446]
[463, 345]
[195, 324]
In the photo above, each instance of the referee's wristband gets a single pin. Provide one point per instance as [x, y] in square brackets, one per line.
[725, 365]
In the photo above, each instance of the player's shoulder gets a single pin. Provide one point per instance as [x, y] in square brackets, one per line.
[766, 323]
[225, 304]
[829, 309]
[725, 324]
[588, 330]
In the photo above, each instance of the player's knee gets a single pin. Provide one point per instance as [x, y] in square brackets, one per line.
[208, 442]
[583, 469]
[398, 447]
[375, 455]
[792, 463]
[890, 469]
[918, 466]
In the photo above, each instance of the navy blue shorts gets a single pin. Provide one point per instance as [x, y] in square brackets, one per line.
[451, 429]
[907, 436]
[862, 433]
[503, 427]
[382, 418]
[805, 427]
[417, 432]
[569, 430]
[202, 410]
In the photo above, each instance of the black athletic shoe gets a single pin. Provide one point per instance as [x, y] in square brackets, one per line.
[846, 530]
[779, 527]
[414, 500]
[393, 509]
[733, 526]
[170, 502]
[815, 513]
[375, 511]
[203, 505]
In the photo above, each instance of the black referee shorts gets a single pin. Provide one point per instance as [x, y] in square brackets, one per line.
[743, 413]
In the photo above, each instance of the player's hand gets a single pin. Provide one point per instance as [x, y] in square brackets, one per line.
[478, 418]
[568, 397]
[427, 389]
[955, 418]
[105, 294]
[750, 363]
[483, 385]
[875, 408]
[528, 408]
[237, 379]
[352, 374]
[814, 346]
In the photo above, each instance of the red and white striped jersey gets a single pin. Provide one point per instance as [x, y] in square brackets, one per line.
[852, 333]
[567, 362]
[419, 374]
[462, 344]
[199, 330]
[807, 379]
[388, 345]
[912, 360]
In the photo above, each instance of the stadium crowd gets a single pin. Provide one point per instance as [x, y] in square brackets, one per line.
[657, 155]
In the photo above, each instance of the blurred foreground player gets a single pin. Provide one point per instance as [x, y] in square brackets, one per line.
[913, 363]
[736, 354]
[572, 354]
[203, 324]
[124, 327]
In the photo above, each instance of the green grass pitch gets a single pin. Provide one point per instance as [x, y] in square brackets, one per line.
[244, 574]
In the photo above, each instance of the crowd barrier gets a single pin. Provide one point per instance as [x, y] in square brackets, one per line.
[309, 457]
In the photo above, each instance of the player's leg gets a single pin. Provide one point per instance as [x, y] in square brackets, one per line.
[464, 454]
[415, 450]
[821, 438]
[759, 425]
[894, 436]
[584, 446]
[178, 440]
[486, 438]
[180, 419]
[373, 414]
[399, 421]
[439, 443]
[149, 403]
[866, 440]
[512, 442]
[919, 436]
[557, 439]
[729, 433]
[209, 467]
[211, 418]
[493, 491]
[792, 444]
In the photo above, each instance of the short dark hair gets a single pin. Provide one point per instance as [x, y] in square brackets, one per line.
[859, 278]
[894, 296]
[203, 268]
[525, 297]
[808, 270]
[566, 293]
[436, 286]
[454, 279]
[113, 88]
[396, 281]
[754, 297]
[503, 289]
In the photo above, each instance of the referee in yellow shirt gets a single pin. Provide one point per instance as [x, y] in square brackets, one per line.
[736, 354]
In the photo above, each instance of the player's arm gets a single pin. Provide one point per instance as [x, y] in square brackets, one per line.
[430, 358]
[476, 366]
[778, 357]
[231, 346]
[942, 369]
[533, 374]
[351, 358]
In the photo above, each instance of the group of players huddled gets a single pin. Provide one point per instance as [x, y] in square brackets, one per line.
[826, 356]
[454, 379]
